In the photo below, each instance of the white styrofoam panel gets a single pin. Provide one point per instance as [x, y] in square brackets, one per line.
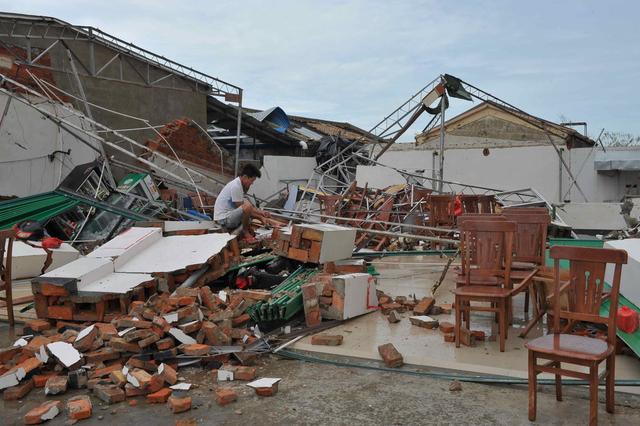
[183, 225]
[128, 244]
[83, 269]
[630, 278]
[337, 241]
[115, 283]
[359, 294]
[27, 261]
[176, 252]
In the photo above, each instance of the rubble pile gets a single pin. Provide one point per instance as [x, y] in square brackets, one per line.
[137, 354]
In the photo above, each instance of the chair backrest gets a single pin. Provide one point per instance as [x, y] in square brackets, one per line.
[470, 203]
[473, 216]
[441, 211]
[490, 244]
[587, 269]
[487, 203]
[6, 249]
[531, 236]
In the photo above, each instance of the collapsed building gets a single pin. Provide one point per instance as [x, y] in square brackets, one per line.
[370, 241]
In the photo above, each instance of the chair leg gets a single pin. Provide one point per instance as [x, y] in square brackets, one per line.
[558, 382]
[9, 301]
[458, 303]
[503, 320]
[593, 395]
[533, 386]
[467, 314]
[611, 381]
[526, 302]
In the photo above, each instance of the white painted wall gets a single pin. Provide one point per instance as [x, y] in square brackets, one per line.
[278, 170]
[509, 168]
[26, 140]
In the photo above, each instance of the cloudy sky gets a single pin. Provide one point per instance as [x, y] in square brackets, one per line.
[356, 61]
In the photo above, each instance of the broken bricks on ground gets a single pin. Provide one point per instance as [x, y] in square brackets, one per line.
[135, 346]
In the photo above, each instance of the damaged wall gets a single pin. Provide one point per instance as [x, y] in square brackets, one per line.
[27, 140]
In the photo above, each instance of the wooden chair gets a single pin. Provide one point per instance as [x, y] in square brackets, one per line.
[6, 249]
[489, 279]
[441, 212]
[473, 216]
[530, 244]
[585, 294]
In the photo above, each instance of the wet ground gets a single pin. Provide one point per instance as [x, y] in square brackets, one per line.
[312, 393]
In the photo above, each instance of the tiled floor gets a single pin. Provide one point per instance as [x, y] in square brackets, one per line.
[408, 275]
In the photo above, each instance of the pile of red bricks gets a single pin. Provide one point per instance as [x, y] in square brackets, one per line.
[57, 302]
[133, 355]
[302, 244]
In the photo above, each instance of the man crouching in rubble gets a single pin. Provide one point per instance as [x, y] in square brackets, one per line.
[232, 210]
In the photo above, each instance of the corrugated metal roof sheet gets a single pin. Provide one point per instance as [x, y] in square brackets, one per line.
[275, 116]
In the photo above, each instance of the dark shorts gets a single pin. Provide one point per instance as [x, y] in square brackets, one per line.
[233, 220]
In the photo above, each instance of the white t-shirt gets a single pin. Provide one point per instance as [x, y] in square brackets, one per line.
[231, 193]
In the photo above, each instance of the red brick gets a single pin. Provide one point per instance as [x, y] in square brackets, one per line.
[79, 407]
[424, 306]
[128, 322]
[34, 416]
[149, 366]
[47, 289]
[225, 396]
[164, 344]
[424, 323]
[86, 342]
[241, 320]
[327, 339]
[39, 380]
[267, 391]
[169, 374]
[190, 327]
[195, 349]
[159, 397]
[107, 331]
[56, 385]
[390, 355]
[35, 343]
[450, 337]
[131, 391]
[122, 345]
[38, 325]
[105, 371]
[244, 373]
[143, 378]
[60, 312]
[478, 335]
[179, 404]
[101, 355]
[29, 365]
[135, 335]
[388, 307]
[447, 327]
[19, 391]
[118, 378]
